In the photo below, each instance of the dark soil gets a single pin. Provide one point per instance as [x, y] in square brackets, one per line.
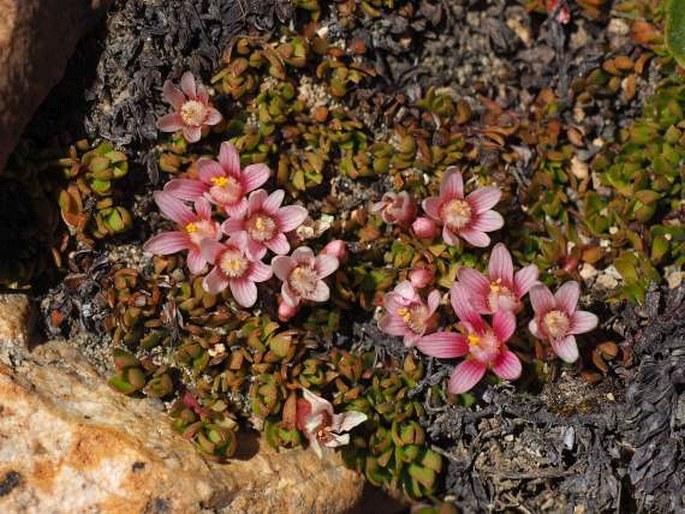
[613, 447]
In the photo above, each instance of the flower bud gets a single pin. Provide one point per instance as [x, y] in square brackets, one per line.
[424, 228]
[336, 248]
[286, 312]
[420, 277]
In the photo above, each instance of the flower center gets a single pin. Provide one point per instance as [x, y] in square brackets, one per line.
[261, 228]
[456, 213]
[485, 347]
[193, 113]
[303, 279]
[201, 229]
[324, 432]
[226, 190]
[415, 316]
[233, 264]
[556, 324]
[497, 292]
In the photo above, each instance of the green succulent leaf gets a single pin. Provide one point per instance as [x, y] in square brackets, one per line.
[675, 30]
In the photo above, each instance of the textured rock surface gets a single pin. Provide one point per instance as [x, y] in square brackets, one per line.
[70, 444]
[37, 37]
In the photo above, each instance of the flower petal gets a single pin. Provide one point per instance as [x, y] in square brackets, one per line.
[196, 262]
[211, 250]
[319, 405]
[582, 321]
[303, 256]
[525, 278]
[213, 116]
[289, 295]
[474, 281]
[278, 244]
[192, 134]
[433, 301]
[185, 188]
[237, 210]
[466, 375]
[215, 281]
[170, 122]
[167, 243]
[459, 298]
[202, 95]
[256, 201]
[487, 221]
[282, 266]
[508, 366]
[173, 208]
[484, 198]
[203, 209]
[173, 95]
[254, 176]
[188, 85]
[321, 293]
[393, 325]
[501, 266]
[260, 272]
[257, 250]
[475, 237]
[452, 185]
[567, 296]
[566, 348]
[449, 237]
[348, 420]
[291, 217]
[232, 226]
[444, 345]
[326, 264]
[273, 202]
[207, 169]
[534, 328]
[542, 299]
[504, 325]
[229, 159]
[244, 291]
[432, 207]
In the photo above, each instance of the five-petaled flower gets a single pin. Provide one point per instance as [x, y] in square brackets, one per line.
[195, 227]
[397, 208]
[501, 289]
[483, 345]
[192, 110]
[302, 274]
[223, 183]
[407, 315]
[265, 223]
[467, 217]
[557, 319]
[322, 427]
[233, 268]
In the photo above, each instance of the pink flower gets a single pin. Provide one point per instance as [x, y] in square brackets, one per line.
[286, 312]
[192, 110]
[557, 320]
[396, 208]
[469, 218]
[336, 248]
[233, 269]
[501, 289]
[484, 346]
[320, 424]
[195, 227]
[421, 277]
[302, 275]
[407, 315]
[265, 223]
[424, 228]
[222, 183]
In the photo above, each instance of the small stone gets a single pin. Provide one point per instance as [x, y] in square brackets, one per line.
[579, 168]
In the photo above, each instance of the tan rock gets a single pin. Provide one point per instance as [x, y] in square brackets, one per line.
[37, 37]
[70, 444]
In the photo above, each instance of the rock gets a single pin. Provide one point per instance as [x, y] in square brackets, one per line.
[68, 443]
[37, 37]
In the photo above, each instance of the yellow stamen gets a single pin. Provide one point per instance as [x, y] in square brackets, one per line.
[219, 181]
[474, 339]
[404, 314]
[191, 227]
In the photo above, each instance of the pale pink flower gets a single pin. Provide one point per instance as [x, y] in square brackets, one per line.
[484, 346]
[557, 319]
[337, 248]
[467, 217]
[321, 425]
[223, 183]
[302, 275]
[192, 110]
[424, 228]
[407, 315]
[195, 227]
[397, 208]
[233, 269]
[265, 223]
[421, 277]
[286, 312]
[501, 289]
